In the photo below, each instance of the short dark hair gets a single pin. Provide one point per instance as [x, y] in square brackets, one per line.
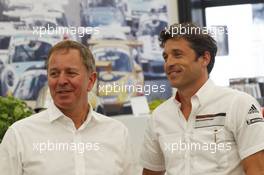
[198, 38]
[86, 54]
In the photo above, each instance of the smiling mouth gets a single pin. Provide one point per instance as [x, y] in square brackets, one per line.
[63, 91]
[174, 72]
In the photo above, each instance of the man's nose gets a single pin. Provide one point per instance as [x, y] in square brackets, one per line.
[62, 79]
[170, 61]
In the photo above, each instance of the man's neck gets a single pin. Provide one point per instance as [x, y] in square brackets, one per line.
[184, 96]
[186, 106]
[78, 115]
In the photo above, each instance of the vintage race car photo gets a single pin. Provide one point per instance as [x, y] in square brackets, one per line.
[30, 83]
[25, 50]
[116, 68]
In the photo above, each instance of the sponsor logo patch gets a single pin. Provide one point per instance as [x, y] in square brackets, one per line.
[253, 110]
[255, 120]
[210, 120]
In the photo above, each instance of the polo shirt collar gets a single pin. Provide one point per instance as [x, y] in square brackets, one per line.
[202, 94]
[205, 91]
[55, 113]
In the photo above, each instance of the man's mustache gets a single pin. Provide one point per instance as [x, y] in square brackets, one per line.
[63, 88]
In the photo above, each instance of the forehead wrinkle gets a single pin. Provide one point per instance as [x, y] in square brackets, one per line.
[62, 52]
[66, 68]
[177, 51]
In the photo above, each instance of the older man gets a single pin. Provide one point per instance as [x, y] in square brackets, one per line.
[69, 137]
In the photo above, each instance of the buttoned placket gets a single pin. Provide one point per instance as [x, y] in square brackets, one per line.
[79, 158]
[188, 133]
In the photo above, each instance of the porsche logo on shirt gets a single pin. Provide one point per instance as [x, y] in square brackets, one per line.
[210, 120]
[255, 120]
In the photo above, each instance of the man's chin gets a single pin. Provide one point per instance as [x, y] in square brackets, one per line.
[175, 86]
[175, 83]
[64, 105]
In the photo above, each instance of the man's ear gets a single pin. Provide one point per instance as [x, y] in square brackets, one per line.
[91, 81]
[206, 58]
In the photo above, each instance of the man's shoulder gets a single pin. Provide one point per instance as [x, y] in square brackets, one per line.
[34, 119]
[108, 121]
[230, 92]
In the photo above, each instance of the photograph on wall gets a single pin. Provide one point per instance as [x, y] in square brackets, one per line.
[25, 42]
[122, 35]
[258, 13]
[221, 37]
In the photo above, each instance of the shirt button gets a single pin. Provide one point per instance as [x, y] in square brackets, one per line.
[186, 156]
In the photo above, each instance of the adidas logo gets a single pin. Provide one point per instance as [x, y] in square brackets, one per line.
[253, 110]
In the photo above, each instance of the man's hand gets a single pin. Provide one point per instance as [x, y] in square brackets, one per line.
[149, 172]
[254, 164]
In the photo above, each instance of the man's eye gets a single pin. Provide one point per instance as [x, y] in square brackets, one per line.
[178, 55]
[53, 74]
[72, 73]
[165, 57]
